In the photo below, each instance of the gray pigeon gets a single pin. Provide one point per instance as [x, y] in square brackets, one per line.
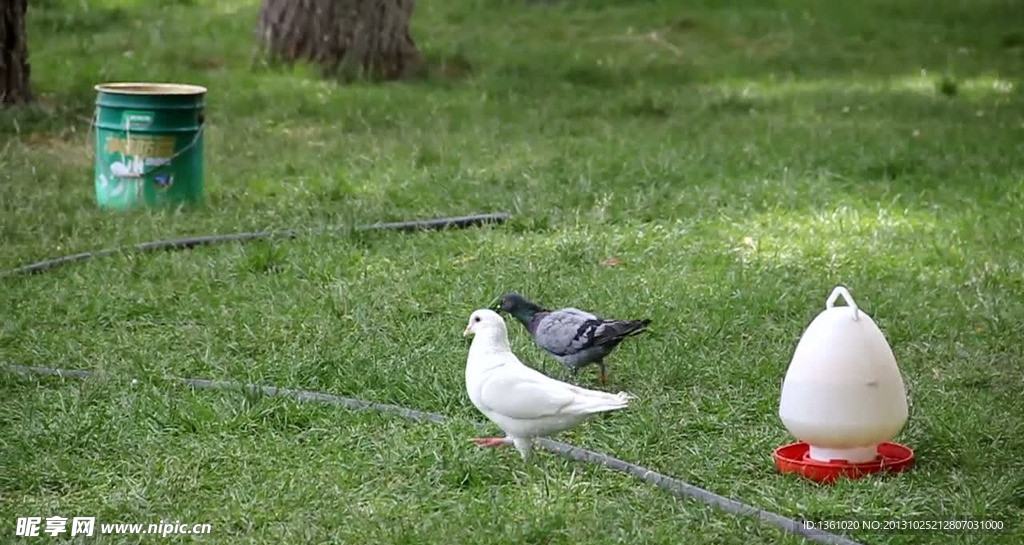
[575, 338]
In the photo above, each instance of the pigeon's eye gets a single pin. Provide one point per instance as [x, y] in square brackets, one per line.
[477, 319]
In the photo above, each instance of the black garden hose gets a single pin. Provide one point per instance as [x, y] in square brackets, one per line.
[192, 242]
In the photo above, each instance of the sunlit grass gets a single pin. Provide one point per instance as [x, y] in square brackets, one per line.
[923, 84]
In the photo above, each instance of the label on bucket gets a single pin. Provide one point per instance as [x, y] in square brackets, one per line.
[136, 156]
[137, 119]
[146, 146]
[130, 163]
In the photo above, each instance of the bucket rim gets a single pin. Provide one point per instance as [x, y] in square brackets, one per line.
[146, 88]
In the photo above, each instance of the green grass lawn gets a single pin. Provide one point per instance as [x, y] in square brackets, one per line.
[740, 162]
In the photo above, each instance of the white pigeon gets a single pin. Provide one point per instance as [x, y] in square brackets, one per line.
[523, 402]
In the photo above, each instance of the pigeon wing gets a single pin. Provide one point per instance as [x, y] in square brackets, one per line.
[569, 331]
[524, 396]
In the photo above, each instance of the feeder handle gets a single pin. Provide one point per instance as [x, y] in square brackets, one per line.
[840, 290]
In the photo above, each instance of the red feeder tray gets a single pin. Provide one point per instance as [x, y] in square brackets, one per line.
[795, 458]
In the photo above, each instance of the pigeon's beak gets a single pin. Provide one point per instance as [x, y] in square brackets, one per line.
[468, 331]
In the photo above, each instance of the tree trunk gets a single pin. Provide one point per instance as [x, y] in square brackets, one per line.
[350, 38]
[14, 71]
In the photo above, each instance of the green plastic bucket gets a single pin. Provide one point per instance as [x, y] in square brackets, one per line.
[149, 144]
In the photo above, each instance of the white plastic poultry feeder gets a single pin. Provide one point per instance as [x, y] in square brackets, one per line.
[843, 398]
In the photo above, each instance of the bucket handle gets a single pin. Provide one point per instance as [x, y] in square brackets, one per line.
[190, 145]
[128, 130]
[842, 291]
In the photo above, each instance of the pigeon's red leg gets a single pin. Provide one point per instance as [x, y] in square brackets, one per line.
[604, 375]
[492, 441]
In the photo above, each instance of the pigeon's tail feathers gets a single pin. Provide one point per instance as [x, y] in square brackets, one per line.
[626, 396]
[640, 326]
[614, 331]
[593, 401]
